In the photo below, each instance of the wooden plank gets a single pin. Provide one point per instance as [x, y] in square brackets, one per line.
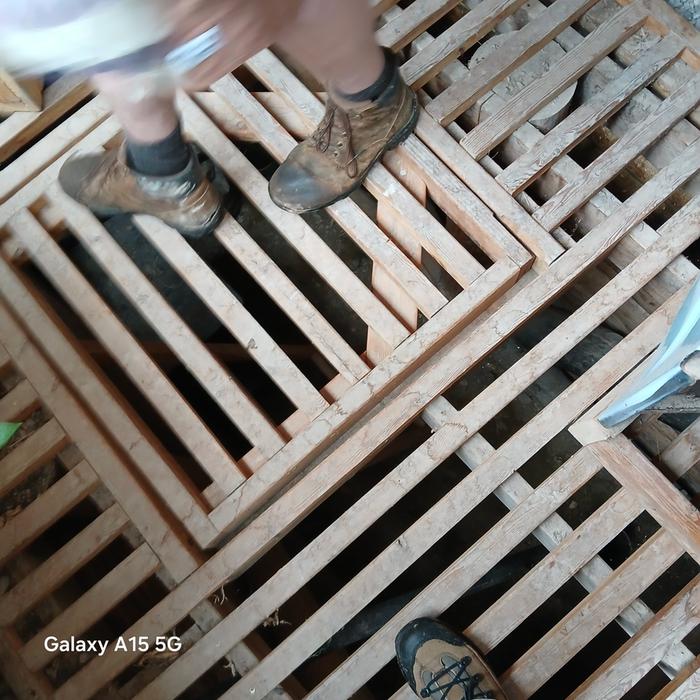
[234, 316]
[589, 116]
[288, 297]
[43, 512]
[37, 186]
[663, 501]
[462, 35]
[60, 97]
[19, 95]
[125, 350]
[18, 404]
[603, 204]
[414, 20]
[594, 177]
[25, 685]
[30, 454]
[685, 686]
[490, 132]
[521, 46]
[684, 452]
[559, 566]
[358, 226]
[447, 365]
[111, 468]
[92, 606]
[221, 386]
[382, 185]
[67, 135]
[299, 234]
[636, 657]
[55, 570]
[531, 671]
[395, 559]
[477, 179]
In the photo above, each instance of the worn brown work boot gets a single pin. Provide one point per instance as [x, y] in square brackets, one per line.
[105, 184]
[350, 139]
[441, 665]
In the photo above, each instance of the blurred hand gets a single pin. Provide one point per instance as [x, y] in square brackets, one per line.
[248, 26]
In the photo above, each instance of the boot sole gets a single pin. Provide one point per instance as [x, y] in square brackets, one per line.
[396, 140]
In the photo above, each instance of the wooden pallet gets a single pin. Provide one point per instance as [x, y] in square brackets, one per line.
[61, 475]
[20, 95]
[401, 290]
[456, 433]
[430, 195]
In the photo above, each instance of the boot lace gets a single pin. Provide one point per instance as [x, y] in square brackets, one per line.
[459, 677]
[342, 149]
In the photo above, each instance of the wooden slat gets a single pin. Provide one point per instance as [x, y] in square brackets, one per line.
[454, 41]
[92, 606]
[415, 19]
[234, 316]
[299, 234]
[477, 179]
[560, 565]
[290, 299]
[382, 185]
[590, 115]
[59, 141]
[53, 572]
[24, 684]
[227, 393]
[684, 452]
[521, 46]
[126, 351]
[633, 660]
[592, 615]
[634, 471]
[686, 686]
[395, 559]
[19, 403]
[366, 234]
[59, 97]
[30, 454]
[490, 132]
[559, 207]
[42, 513]
[110, 466]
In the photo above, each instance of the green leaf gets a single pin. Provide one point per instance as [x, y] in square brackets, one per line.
[7, 430]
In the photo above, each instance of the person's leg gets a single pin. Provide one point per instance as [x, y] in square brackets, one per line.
[155, 172]
[335, 40]
[370, 109]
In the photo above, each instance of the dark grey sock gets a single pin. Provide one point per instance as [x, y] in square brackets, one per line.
[384, 82]
[167, 157]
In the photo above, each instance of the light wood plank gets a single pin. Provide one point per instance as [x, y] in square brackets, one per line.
[521, 46]
[589, 116]
[30, 454]
[234, 316]
[594, 177]
[532, 670]
[53, 572]
[93, 605]
[111, 468]
[42, 513]
[490, 132]
[634, 660]
[126, 351]
[415, 19]
[19, 403]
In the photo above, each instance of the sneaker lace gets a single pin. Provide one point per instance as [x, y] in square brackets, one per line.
[459, 677]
